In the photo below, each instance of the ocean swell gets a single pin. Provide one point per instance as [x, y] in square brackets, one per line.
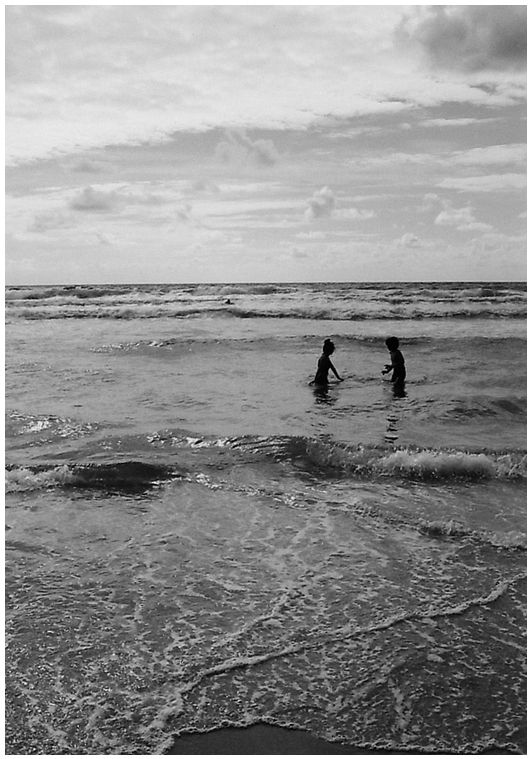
[117, 477]
[416, 464]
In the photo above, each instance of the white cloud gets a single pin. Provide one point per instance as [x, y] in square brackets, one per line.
[462, 219]
[408, 240]
[84, 76]
[354, 213]
[394, 158]
[486, 183]
[320, 205]
[476, 226]
[455, 216]
[453, 122]
[352, 133]
[492, 154]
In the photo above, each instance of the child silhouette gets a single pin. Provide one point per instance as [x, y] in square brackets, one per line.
[324, 364]
[397, 364]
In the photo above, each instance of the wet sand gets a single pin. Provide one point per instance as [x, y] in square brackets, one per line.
[257, 739]
[269, 739]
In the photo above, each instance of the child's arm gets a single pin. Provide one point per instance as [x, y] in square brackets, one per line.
[397, 363]
[333, 368]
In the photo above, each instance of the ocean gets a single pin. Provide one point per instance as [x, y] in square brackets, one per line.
[197, 538]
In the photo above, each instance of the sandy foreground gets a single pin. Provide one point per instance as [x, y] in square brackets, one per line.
[258, 739]
[269, 739]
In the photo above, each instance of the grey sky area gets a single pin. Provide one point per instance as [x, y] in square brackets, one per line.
[265, 143]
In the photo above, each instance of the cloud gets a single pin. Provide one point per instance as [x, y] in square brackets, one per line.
[400, 158]
[320, 205]
[486, 183]
[453, 217]
[469, 38]
[492, 154]
[409, 240]
[461, 218]
[353, 132]
[238, 148]
[90, 199]
[430, 201]
[80, 77]
[354, 213]
[454, 122]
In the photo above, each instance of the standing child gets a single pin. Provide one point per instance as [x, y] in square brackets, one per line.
[397, 365]
[324, 364]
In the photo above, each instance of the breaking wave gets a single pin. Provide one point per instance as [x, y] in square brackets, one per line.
[314, 456]
[368, 462]
[331, 301]
[157, 311]
[123, 477]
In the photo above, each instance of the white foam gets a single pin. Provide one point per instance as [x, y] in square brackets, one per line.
[23, 479]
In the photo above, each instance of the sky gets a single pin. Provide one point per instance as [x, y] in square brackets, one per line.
[246, 143]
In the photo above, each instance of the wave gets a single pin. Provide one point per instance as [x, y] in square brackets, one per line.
[148, 311]
[117, 477]
[453, 529]
[442, 529]
[46, 427]
[466, 408]
[257, 289]
[302, 341]
[193, 675]
[334, 314]
[346, 301]
[316, 457]
[368, 462]
[126, 312]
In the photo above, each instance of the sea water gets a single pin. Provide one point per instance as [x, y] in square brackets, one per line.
[196, 537]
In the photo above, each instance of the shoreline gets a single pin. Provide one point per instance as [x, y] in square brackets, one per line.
[265, 739]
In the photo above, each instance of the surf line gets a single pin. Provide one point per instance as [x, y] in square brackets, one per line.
[343, 633]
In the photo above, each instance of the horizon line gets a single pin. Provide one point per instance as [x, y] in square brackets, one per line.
[276, 282]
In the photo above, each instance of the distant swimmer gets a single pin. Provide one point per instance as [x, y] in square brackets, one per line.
[228, 302]
[324, 364]
[397, 365]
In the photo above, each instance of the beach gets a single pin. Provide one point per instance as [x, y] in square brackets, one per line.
[206, 554]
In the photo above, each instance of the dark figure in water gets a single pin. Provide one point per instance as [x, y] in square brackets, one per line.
[397, 365]
[324, 364]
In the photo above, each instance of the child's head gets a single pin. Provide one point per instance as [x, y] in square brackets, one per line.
[328, 347]
[392, 343]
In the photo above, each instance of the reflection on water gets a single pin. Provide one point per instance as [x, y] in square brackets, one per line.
[394, 418]
[322, 394]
